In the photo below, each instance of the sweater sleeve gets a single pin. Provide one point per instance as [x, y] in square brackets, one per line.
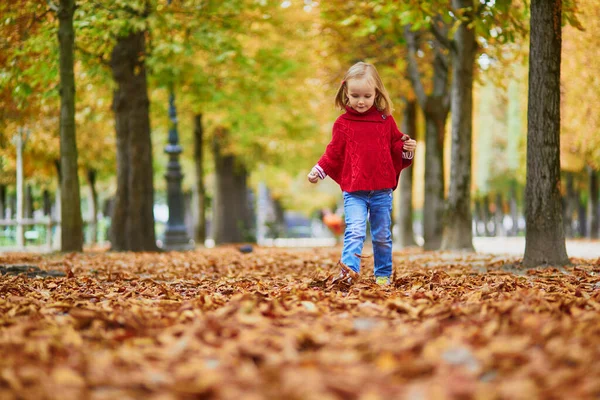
[332, 161]
[402, 159]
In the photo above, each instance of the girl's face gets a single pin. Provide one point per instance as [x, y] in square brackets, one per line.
[361, 94]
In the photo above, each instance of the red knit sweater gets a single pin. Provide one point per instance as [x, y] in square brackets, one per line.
[365, 152]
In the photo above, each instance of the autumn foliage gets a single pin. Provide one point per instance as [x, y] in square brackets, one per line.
[219, 324]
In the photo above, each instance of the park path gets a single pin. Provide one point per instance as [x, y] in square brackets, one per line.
[501, 246]
[510, 246]
[516, 246]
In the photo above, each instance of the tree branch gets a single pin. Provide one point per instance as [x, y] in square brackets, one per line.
[413, 67]
[93, 56]
[440, 37]
[441, 34]
[445, 64]
[125, 8]
[53, 6]
[480, 9]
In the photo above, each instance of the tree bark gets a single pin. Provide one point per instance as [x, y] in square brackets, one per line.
[200, 223]
[230, 201]
[545, 238]
[594, 204]
[93, 205]
[132, 226]
[405, 208]
[71, 221]
[458, 232]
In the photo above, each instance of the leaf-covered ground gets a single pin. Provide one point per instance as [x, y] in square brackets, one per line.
[219, 324]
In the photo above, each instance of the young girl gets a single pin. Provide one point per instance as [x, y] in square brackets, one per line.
[365, 157]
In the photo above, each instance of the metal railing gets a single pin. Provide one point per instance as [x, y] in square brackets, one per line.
[44, 231]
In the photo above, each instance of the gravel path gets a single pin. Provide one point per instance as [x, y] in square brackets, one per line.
[516, 246]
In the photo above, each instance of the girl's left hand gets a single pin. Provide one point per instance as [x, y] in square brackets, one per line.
[410, 145]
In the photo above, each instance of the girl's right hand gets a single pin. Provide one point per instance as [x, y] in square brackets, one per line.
[410, 145]
[313, 176]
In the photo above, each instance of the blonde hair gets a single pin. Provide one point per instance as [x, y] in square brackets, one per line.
[362, 70]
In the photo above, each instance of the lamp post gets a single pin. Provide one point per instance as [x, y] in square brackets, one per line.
[176, 236]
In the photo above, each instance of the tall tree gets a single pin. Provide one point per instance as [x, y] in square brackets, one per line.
[133, 219]
[230, 205]
[545, 238]
[593, 203]
[580, 122]
[492, 22]
[458, 232]
[435, 105]
[71, 221]
[92, 204]
[200, 223]
[2, 201]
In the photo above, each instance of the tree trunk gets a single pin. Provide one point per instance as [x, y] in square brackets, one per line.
[477, 216]
[12, 207]
[569, 207]
[2, 201]
[47, 202]
[20, 232]
[581, 216]
[594, 204]
[280, 230]
[93, 205]
[118, 236]
[132, 226]
[71, 221]
[200, 206]
[28, 206]
[56, 241]
[458, 232]
[433, 205]
[486, 215]
[188, 215]
[545, 238]
[405, 208]
[514, 211]
[499, 216]
[230, 201]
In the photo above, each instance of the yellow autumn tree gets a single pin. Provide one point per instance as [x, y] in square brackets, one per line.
[580, 141]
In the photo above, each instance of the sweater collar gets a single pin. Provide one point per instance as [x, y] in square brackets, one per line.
[371, 115]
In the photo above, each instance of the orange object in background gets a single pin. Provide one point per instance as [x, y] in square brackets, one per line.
[334, 222]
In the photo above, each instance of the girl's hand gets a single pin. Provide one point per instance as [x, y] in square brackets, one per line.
[410, 145]
[313, 176]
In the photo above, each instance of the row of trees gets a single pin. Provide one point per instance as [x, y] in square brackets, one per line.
[247, 71]
[438, 47]
[226, 60]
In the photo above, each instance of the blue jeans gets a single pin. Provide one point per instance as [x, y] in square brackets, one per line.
[377, 205]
